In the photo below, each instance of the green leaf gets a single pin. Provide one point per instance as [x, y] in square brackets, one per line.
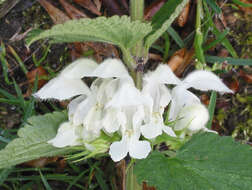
[198, 41]
[242, 4]
[206, 162]
[217, 33]
[214, 6]
[162, 20]
[211, 108]
[219, 39]
[176, 37]
[116, 30]
[228, 60]
[32, 141]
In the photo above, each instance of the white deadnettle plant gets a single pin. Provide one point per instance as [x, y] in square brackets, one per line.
[113, 104]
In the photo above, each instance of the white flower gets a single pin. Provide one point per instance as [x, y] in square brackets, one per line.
[130, 120]
[200, 80]
[191, 119]
[154, 87]
[66, 136]
[86, 110]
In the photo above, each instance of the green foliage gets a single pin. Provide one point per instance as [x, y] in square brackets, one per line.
[242, 3]
[207, 161]
[228, 60]
[116, 30]
[163, 19]
[211, 108]
[32, 141]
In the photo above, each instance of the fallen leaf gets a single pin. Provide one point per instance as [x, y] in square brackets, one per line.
[41, 73]
[183, 16]
[71, 11]
[205, 99]
[246, 76]
[89, 5]
[176, 59]
[153, 8]
[114, 8]
[246, 10]
[186, 62]
[98, 4]
[146, 187]
[41, 162]
[57, 15]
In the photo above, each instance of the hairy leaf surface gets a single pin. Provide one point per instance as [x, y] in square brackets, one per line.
[32, 141]
[116, 30]
[207, 161]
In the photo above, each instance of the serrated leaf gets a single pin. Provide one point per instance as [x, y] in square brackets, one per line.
[116, 30]
[162, 20]
[206, 162]
[32, 141]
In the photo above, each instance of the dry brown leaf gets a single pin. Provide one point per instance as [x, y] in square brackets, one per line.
[57, 15]
[155, 57]
[246, 10]
[205, 99]
[183, 16]
[146, 187]
[153, 8]
[41, 162]
[98, 4]
[40, 72]
[188, 57]
[100, 50]
[247, 77]
[89, 5]
[176, 59]
[71, 11]
[114, 7]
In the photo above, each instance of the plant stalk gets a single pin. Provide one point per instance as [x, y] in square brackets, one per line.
[137, 13]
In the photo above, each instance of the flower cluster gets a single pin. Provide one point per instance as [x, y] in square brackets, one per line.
[113, 104]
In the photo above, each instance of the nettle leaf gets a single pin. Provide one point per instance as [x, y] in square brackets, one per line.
[164, 18]
[116, 30]
[32, 141]
[207, 161]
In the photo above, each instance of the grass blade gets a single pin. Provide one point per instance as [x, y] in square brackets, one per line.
[46, 184]
[211, 108]
[176, 37]
[228, 60]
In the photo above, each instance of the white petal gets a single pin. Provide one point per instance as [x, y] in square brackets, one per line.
[127, 95]
[139, 149]
[89, 135]
[165, 98]
[79, 69]
[66, 136]
[72, 106]
[151, 130]
[169, 131]
[93, 121]
[205, 80]
[180, 98]
[110, 121]
[118, 150]
[111, 68]
[162, 75]
[138, 117]
[62, 88]
[193, 117]
[82, 110]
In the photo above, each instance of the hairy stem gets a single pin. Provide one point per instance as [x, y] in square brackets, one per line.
[137, 13]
